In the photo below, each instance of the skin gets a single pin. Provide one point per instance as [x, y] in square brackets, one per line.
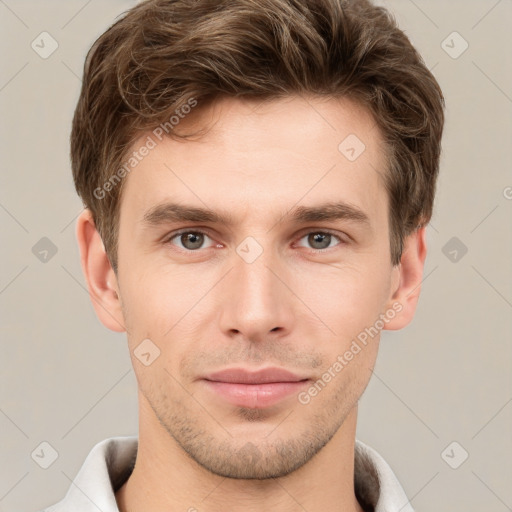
[207, 308]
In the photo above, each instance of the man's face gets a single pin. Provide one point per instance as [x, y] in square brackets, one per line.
[269, 290]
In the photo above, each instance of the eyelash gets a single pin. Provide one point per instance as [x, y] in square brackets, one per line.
[172, 236]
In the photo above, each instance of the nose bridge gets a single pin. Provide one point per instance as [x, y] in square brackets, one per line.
[255, 298]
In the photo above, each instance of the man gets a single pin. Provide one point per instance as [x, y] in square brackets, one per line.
[257, 179]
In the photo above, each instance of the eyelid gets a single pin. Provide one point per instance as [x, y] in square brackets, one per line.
[339, 234]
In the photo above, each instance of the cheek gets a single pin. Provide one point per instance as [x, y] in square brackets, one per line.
[165, 307]
[347, 299]
[154, 301]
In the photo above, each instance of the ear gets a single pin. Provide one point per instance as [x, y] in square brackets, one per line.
[100, 277]
[405, 297]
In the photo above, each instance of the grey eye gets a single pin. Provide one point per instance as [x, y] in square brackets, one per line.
[190, 240]
[319, 240]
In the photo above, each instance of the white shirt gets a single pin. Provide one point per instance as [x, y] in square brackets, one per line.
[111, 461]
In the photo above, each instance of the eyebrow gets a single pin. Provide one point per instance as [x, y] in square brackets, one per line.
[173, 212]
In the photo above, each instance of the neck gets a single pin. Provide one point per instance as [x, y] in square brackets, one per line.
[166, 479]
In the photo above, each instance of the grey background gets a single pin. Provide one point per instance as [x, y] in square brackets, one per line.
[447, 377]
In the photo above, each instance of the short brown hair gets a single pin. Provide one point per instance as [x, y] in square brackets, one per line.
[163, 54]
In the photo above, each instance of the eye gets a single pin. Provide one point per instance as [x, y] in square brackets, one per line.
[320, 240]
[189, 240]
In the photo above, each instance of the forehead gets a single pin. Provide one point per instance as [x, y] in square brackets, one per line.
[268, 156]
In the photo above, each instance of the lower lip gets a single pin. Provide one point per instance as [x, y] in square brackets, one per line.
[255, 396]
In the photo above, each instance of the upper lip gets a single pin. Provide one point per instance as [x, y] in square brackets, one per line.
[244, 376]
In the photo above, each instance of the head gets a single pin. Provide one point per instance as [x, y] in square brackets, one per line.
[312, 130]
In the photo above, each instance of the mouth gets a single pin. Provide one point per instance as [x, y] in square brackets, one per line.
[254, 389]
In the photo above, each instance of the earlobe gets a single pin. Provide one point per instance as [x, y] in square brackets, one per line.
[101, 279]
[405, 297]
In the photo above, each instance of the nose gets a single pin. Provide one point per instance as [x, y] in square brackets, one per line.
[257, 302]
